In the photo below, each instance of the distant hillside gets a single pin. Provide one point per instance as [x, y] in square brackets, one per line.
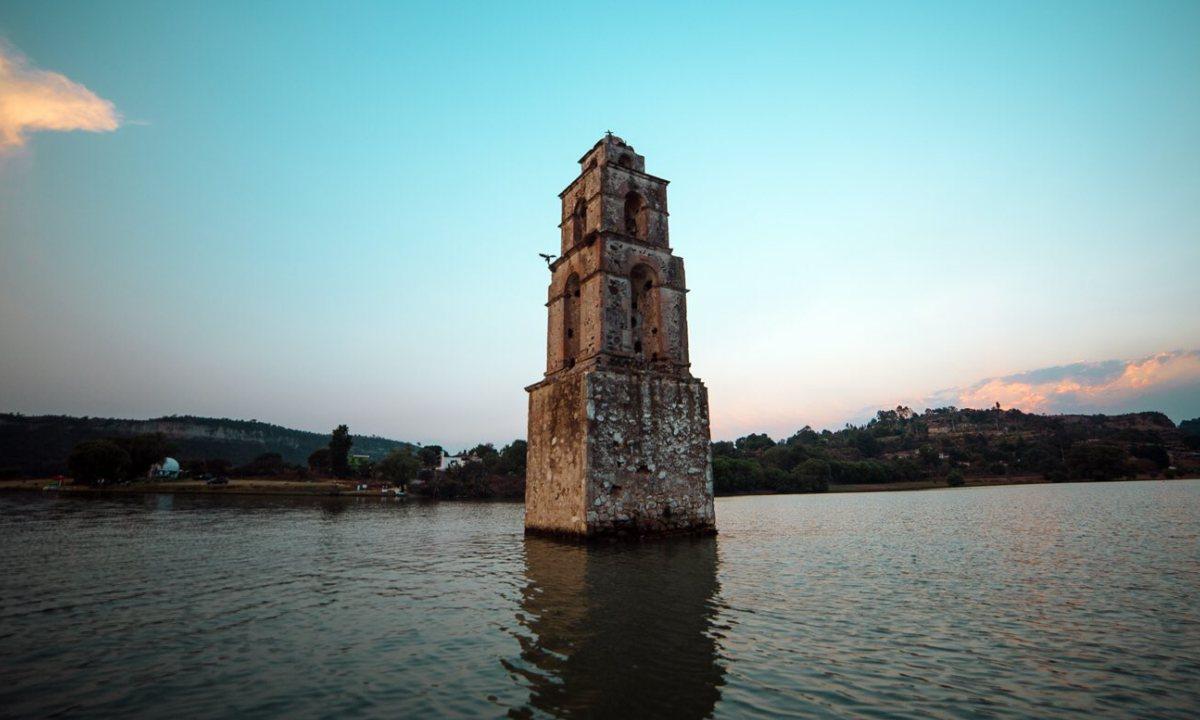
[950, 444]
[39, 445]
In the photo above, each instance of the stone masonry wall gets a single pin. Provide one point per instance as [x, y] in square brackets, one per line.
[649, 468]
[554, 486]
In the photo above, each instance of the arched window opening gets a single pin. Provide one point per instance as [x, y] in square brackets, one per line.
[634, 220]
[643, 312]
[571, 321]
[578, 222]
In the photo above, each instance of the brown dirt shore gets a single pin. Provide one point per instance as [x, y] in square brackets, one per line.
[236, 486]
[981, 481]
[259, 486]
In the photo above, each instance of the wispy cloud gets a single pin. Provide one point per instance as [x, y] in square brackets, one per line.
[33, 100]
[1107, 386]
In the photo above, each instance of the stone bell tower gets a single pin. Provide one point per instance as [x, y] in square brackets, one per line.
[618, 428]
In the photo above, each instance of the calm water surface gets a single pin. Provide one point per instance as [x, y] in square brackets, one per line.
[1034, 601]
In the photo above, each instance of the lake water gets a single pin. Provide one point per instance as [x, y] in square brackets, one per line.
[1076, 600]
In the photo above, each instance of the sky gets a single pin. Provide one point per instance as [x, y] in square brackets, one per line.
[317, 213]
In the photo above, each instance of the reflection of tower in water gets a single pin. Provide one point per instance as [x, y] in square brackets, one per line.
[620, 631]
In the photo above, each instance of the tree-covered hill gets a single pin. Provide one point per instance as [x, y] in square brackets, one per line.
[952, 444]
[39, 445]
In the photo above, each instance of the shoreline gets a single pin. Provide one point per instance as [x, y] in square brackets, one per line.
[246, 486]
[330, 488]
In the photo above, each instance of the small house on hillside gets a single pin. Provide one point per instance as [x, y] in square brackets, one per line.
[449, 461]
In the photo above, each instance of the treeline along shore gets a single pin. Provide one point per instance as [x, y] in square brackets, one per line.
[897, 449]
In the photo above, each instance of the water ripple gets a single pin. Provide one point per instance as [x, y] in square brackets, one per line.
[1042, 601]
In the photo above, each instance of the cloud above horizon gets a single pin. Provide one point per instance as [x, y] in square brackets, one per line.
[34, 100]
[1166, 381]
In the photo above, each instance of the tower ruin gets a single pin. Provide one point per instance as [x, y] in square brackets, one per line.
[618, 428]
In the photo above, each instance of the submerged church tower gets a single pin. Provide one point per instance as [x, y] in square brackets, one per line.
[618, 428]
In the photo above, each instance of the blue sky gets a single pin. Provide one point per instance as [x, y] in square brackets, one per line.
[316, 213]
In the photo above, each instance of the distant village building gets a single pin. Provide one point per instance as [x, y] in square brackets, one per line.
[618, 428]
[449, 461]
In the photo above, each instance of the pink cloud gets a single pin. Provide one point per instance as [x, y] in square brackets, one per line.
[1096, 386]
[33, 100]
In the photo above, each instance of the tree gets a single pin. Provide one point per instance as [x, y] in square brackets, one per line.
[94, 460]
[724, 448]
[210, 466]
[928, 455]
[813, 475]
[399, 467]
[265, 465]
[955, 478]
[1157, 454]
[804, 436]
[318, 461]
[754, 442]
[487, 454]
[512, 459]
[145, 451]
[430, 455]
[731, 475]
[1096, 461]
[865, 441]
[339, 451]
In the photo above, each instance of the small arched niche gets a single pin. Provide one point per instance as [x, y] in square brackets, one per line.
[635, 216]
[570, 335]
[578, 221]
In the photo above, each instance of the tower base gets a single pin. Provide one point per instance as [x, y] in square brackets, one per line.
[618, 452]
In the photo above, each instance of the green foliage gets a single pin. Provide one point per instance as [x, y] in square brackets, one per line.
[814, 475]
[209, 466]
[754, 443]
[945, 444]
[804, 436]
[319, 461]
[94, 460]
[265, 465]
[732, 475]
[38, 446]
[339, 451]
[491, 474]
[1097, 461]
[145, 451]
[512, 459]
[430, 455]
[1156, 454]
[399, 468]
[487, 454]
[724, 448]
[928, 456]
[955, 478]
